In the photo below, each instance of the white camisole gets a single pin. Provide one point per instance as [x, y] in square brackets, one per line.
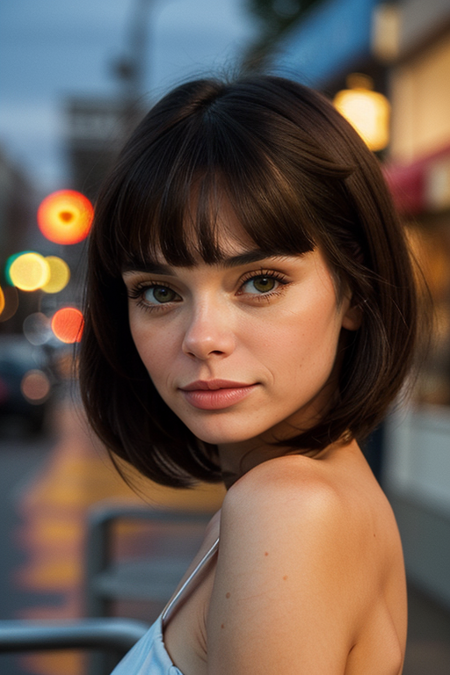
[149, 655]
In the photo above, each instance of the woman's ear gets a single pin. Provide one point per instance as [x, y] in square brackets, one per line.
[352, 318]
[353, 314]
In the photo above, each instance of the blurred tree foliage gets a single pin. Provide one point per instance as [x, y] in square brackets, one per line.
[275, 17]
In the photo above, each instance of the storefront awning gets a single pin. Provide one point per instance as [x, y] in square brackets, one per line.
[422, 186]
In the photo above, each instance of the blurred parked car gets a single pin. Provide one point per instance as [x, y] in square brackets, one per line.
[25, 385]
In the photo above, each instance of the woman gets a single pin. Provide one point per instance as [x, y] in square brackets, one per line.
[251, 314]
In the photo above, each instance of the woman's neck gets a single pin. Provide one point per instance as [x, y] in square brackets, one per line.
[237, 459]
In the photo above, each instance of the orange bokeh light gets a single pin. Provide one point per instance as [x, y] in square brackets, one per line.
[67, 324]
[65, 217]
[11, 299]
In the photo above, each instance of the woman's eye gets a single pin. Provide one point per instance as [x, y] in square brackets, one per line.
[260, 285]
[159, 295]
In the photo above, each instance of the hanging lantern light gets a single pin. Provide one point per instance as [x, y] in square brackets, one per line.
[367, 110]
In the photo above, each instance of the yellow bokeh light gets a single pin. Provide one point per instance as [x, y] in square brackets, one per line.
[59, 274]
[367, 111]
[29, 272]
[2, 300]
[9, 262]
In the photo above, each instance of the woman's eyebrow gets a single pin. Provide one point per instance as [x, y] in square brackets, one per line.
[146, 266]
[245, 258]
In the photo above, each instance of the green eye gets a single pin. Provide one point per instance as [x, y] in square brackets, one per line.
[159, 295]
[261, 285]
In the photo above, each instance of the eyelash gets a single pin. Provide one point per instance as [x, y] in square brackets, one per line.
[137, 291]
[271, 274]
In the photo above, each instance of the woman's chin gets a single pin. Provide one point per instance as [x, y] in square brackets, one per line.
[221, 437]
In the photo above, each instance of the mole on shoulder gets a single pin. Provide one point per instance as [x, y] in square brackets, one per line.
[266, 553]
[222, 625]
[285, 577]
[227, 595]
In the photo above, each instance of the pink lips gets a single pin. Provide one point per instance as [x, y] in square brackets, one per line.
[216, 394]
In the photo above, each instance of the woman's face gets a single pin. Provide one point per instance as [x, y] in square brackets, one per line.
[244, 347]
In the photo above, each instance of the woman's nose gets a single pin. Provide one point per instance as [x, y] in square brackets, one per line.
[209, 334]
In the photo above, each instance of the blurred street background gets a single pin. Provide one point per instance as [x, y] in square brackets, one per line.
[75, 79]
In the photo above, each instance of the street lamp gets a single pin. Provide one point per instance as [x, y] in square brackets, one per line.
[366, 110]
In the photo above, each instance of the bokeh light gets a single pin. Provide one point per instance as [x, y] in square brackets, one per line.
[37, 329]
[11, 298]
[2, 300]
[29, 271]
[67, 324]
[366, 110]
[59, 274]
[9, 262]
[35, 386]
[65, 217]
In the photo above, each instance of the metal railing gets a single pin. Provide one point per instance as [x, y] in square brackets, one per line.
[112, 635]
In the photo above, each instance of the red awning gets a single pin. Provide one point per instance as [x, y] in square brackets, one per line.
[413, 186]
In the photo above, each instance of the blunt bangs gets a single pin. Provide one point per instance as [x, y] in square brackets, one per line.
[168, 196]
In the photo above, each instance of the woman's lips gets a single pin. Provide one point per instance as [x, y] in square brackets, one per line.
[216, 394]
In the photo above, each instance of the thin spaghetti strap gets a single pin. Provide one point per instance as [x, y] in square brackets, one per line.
[171, 605]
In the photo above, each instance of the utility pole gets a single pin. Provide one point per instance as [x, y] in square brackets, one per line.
[130, 68]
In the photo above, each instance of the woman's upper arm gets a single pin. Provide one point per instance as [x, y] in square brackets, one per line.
[283, 594]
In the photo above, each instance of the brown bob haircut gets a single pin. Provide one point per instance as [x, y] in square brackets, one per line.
[297, 175]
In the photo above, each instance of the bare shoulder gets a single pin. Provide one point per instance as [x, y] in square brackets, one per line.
[289, 513]
[284, 494]
[296, 493]
[297, 565]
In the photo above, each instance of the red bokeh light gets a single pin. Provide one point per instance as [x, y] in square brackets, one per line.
[67, 324]
[65, 217]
